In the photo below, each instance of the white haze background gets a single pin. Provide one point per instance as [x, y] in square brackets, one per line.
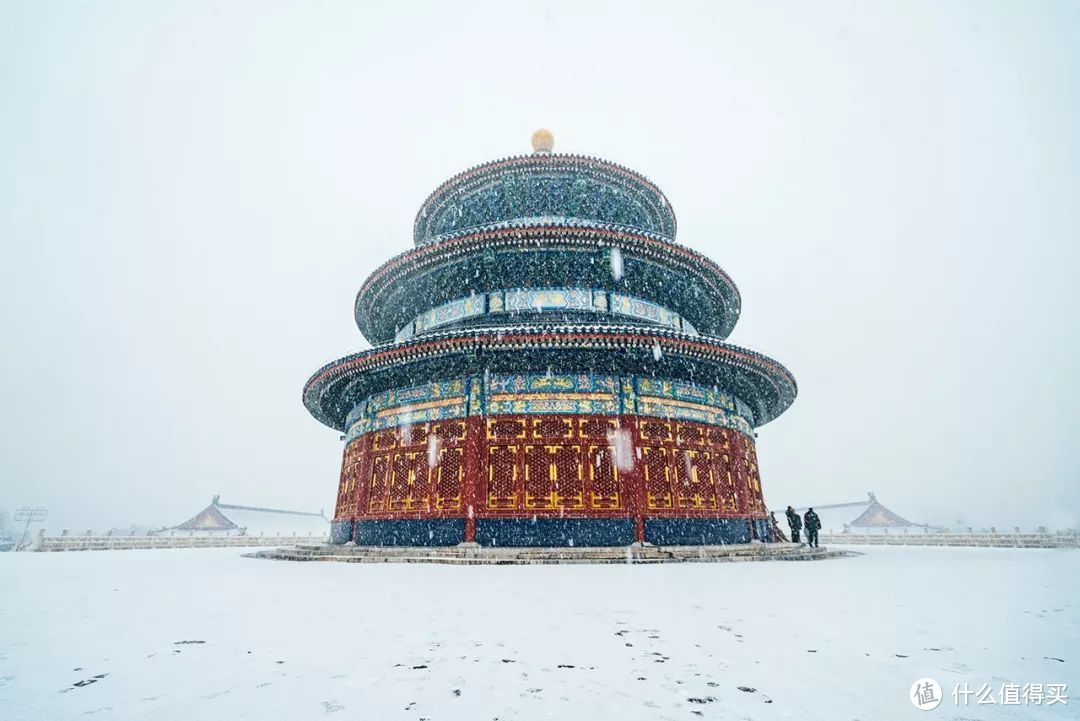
[192, 193]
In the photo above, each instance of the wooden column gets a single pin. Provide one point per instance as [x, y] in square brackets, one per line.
[634, 479]
[472, 474]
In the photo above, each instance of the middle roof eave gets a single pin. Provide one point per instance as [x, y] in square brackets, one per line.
[686, 281]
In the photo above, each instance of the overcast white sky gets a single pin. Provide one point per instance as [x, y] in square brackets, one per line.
[192, 193]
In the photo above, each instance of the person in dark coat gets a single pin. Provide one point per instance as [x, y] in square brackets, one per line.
[794, 523]
[813, 525]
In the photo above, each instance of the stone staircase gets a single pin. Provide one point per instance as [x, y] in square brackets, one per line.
[479, 555]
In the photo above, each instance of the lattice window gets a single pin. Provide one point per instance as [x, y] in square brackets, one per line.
[552, 428]
[719, 437]
[757, 501]
[417, 434]
[690, 435]
[450, 431]
[655, 431]
[553, 478]
[502, 478]
[694, 480]
[657, 477]
[568, 476]
[341, 509]
[505, 428]
[604, 489]
[380, 470]
[739, 467]
[343, 492]
[725, 482]
[448, 480]
[595, 427]
[408, 489]
[539, 478]
[351, 466]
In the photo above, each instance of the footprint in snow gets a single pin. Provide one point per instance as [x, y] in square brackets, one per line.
[88, 681]
[331, 706]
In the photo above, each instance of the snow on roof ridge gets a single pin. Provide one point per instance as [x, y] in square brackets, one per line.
[267, 510]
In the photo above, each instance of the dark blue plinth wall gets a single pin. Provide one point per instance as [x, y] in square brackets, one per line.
[696, 531]
[549, 531]
[554, 531]
[427, 532]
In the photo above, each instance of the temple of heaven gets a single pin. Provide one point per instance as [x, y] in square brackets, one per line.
[548, 369]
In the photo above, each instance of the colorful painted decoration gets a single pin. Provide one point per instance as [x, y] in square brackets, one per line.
[513, 303]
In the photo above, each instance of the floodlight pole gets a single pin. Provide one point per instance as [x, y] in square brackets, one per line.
[30, 515]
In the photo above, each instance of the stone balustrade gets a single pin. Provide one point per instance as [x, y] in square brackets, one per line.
[978, 540]
[167, 539]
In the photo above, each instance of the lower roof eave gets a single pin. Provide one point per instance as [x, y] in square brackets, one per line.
[754, 378]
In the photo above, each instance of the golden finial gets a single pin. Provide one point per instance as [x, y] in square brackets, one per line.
[543, 141]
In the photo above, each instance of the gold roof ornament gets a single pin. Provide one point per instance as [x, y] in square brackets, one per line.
[543, 140]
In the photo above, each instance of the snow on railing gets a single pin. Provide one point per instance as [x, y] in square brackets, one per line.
[968, 539]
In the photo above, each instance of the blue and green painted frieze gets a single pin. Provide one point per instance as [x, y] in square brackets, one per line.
[548, 393]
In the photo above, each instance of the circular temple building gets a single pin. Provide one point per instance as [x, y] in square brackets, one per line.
[549, 369]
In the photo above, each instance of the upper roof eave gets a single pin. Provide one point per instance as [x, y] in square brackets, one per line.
[539, 159]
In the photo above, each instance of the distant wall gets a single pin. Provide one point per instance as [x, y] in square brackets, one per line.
[176, 539]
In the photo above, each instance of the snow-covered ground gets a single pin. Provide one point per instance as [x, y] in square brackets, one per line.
[207, 634]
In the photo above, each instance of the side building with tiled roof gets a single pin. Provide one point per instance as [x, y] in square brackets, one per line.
[868, 516]
[224, 518]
